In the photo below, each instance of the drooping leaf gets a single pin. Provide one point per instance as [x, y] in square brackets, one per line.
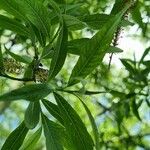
[30, 143]
[76, 130]
[60, 52]
[53, 110]
[94, 127]
[53, 133]
[32, 92]
[135, 109]
[128, 66]
[16, 138]
[95, 49]
[144, 55]
[13, 25]
[32, 115]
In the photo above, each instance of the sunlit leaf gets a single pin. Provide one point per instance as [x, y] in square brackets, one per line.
[94, 127]
[95, 49]
[30, 143]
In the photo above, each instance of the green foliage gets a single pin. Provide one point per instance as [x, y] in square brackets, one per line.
[16, 138]
[51, 55]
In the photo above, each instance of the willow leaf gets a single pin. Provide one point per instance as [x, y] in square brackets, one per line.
[60, 52]
[95, 49]
[32, 92]
[53, 133]
[75, 128]
[32, 115]
[30, 143]
[13, 25]
[16, 138]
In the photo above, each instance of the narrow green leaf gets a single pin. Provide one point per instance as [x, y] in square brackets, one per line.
[76, 130]
[47, 52]
[53, 133]
[128, 66]
[73, 23]
[74, 47]
[94, 127]
[135, 109]
[13, 8]
[113, 49]
[144, 55]
[53, 110]
[16, 138]
[95, 49]
[32, 92]
[97, 21]
[13, 25]
[30, 143]
[34, 11]
[22, 59]
[60, 52]
[32, 115]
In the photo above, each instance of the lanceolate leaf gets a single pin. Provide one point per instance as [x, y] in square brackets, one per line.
[53, 110]
[16, 138]
[11, 24]
[32, 92]
[94, 127]
[12, 7]
[60, 52]
[75, 128]
[37, 14]
[74, 47]
[32, 115]
[96, 21]
[135, 108]
[95, 49]
[53, 133]
[30, 143]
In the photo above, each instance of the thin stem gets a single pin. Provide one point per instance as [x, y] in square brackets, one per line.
[17, 79]
[86, 92]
